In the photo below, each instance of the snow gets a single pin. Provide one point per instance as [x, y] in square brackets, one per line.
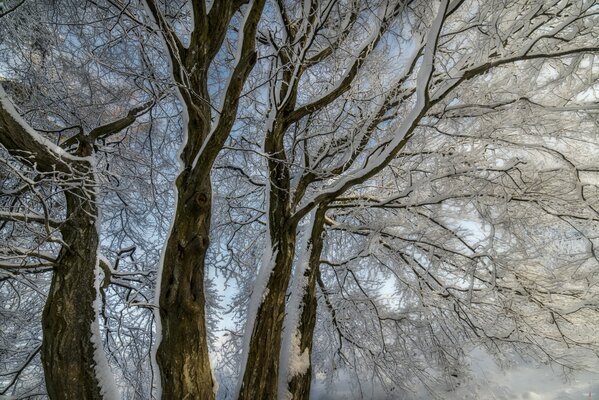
[379, 161]
[524, 30]
[292, 360]
[216, 123]
[55, 150]
[104, 375]
[260, 290]
[215, 385]
[299, 361]
[156, 309]
[106, 383]
[355, 60]
[259, 293]
[184, 122]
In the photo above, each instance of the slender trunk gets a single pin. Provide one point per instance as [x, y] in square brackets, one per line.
[260, 377]
[69, 314]
[262, 367]
[298, 385]
[183, 351]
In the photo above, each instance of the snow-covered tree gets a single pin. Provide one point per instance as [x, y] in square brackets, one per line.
[386, 184]
[66, 146]
[343, 104]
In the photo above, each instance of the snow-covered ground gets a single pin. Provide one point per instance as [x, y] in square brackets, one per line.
[520, 382]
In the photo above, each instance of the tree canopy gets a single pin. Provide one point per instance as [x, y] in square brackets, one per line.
[242, 199]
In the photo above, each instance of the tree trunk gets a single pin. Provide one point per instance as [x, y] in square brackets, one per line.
[182, 354]
[69, 314]
[299, 385]
[71, 345]
[262, 367]
[260, 378]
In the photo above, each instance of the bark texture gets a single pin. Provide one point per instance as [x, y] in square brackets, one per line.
[67, 346]
[299, 385]
[262, 368]
[260, 380]
[183, 352]
[69, 321]
[67, 350]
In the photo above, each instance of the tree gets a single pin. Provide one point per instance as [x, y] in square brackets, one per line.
[370, 122]
[54, 181]
[381, 158]
[461, 255]
[182, 354]
[71, 350]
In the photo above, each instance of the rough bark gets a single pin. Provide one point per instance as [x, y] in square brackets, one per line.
[262, 368]
[67, 350]
[183, 351]
[67, 346]
[299, 385]
[182, 354]
[260, 379]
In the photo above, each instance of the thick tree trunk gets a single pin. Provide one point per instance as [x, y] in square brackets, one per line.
[183, 351]
[71, 345]
[69, 314]
[299, 385]
[182, 354]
